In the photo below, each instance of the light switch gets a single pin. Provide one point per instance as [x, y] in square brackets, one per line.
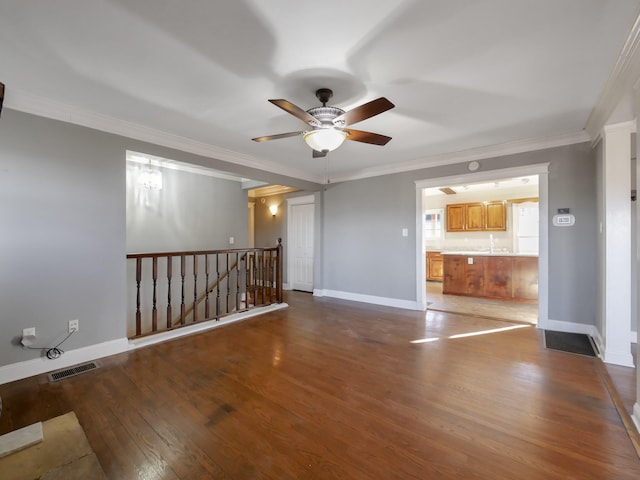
[470, 260]
[232, 240]
[405, 232]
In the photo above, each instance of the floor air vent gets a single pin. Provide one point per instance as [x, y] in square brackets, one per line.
[72, 372]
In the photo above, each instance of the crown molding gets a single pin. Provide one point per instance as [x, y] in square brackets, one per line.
[481, 153]
[43, 107]
[146, 159]
[27, 103]
[622, 78]
[628, 127]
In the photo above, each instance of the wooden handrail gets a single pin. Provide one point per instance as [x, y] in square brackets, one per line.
[198, 252]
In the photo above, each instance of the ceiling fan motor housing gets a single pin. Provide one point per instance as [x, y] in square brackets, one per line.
[324, 94]
[325, 115]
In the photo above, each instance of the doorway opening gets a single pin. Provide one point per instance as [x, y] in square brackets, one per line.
[524, 238]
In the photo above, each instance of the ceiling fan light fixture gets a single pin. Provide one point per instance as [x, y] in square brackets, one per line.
[325, 139]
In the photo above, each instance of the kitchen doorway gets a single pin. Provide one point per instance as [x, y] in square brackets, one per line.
[430, 293]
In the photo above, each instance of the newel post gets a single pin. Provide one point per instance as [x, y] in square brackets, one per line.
[279, 297]
[138, 279]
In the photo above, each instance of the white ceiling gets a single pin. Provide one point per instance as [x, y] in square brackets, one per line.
[502, 184]
[464, 75]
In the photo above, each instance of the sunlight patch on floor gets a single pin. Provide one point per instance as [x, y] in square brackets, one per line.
[471, 334]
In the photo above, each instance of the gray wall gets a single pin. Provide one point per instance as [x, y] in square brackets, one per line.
[62, 208]
[267, 227]
[573, 251]
[63, 240]
[190, 212]
[365, 253]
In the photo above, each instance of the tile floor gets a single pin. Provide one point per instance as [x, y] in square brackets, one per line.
[512, 311]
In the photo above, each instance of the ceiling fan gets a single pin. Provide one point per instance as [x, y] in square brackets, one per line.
[328, 123]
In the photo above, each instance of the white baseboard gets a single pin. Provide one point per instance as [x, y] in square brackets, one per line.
[37, 366]
[358, 297]
[201, 327]
[616, 358]
[570, 327]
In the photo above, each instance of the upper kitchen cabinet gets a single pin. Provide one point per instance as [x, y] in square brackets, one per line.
[477, 216]
[456, 217]
[496, 215]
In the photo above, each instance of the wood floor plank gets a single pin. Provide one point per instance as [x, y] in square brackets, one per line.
[331, 389]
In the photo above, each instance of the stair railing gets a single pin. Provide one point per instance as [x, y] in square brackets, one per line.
[170, 290]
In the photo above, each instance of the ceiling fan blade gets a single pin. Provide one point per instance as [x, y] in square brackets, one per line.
[367, 137]
[277, 136]
[317, 154]
[367, 110]
[296, 111]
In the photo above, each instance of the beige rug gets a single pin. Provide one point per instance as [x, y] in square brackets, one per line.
[64, 453]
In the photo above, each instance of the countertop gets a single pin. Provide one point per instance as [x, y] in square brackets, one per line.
[486, 253]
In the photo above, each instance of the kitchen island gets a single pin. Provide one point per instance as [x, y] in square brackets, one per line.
[502, 276]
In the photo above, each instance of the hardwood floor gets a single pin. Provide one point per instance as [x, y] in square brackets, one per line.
[331, 389]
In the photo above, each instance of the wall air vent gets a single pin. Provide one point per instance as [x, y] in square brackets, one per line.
[72, 371]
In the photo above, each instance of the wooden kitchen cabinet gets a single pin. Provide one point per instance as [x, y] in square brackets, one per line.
[454, 274]
[477, 217]
[475, 214]
[525, 278]
[434, 266]
[498, 277]
[496, 215]
[491, 276]
[463, 278]
[475, 277]
[456, 217]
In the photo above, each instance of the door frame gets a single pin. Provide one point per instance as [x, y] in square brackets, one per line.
[291, 202]
[540, 169]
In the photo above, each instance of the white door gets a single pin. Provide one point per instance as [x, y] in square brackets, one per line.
[301, 246]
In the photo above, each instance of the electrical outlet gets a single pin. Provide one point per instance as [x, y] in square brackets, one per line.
[28, 332]
[73, 326]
